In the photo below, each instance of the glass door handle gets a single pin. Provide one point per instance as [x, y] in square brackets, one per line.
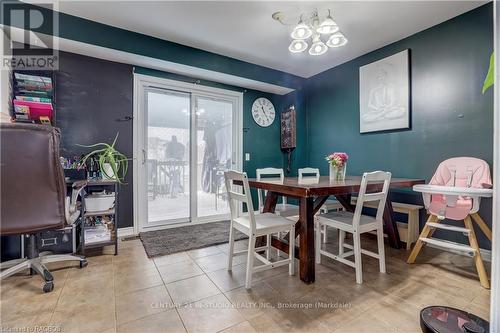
[144, 156]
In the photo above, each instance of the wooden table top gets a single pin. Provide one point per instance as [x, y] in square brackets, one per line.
[324, 186]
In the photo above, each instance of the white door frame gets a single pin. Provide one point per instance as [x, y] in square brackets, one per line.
[143, 81]
[495, 246]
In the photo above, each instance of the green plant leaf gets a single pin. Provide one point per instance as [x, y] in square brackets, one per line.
[94, 145]
[490, 77]
[116, 138]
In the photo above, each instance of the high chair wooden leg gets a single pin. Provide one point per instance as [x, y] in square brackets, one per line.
[418, 245]
[483, 276]
[484, 227]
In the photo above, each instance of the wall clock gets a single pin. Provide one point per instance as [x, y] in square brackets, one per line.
[263, 112]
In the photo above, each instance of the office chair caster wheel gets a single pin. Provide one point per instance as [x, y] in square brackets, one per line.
[48, 287]
[83, 263]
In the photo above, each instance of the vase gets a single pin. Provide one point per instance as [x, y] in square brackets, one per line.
[107, 172]
[337, 173]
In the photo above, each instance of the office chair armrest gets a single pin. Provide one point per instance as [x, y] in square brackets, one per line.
[79, 184]
[72, 212]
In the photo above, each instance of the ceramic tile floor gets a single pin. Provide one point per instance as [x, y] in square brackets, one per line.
[192, 291]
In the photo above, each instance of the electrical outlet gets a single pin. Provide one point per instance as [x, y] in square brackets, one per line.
[247, 156]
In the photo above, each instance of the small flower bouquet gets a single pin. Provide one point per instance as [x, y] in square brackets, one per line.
[338, 165]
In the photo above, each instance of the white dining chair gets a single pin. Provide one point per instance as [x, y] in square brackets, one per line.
[282, 209]
[255, 225]
[356, 223]
[310, 175]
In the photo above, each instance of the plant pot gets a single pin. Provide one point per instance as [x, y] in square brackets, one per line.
[337, 173]
[107, 172]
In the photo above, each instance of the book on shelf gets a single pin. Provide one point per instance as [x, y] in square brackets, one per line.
[34, 78]
[32, 85]
[22, 109]
[34, 99]
[36, 93]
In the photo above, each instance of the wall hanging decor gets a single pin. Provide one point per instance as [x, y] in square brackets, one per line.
[288, 133]
[384, 94]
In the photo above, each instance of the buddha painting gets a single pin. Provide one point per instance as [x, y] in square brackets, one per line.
[384, 94]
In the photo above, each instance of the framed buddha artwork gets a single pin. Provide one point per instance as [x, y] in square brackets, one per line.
[384, 94]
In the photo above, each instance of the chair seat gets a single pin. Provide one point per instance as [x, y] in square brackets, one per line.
[286, 210]
[265, 223]
[343, 220]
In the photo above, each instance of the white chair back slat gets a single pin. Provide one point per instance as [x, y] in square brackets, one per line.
[373, 197]
[381, 197]
[314, 172]
[268, 172]
[237, 196]
[245, 197]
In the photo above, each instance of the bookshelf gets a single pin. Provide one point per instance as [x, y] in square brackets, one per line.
[33, 97]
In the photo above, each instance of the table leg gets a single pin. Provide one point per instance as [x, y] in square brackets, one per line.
[270, 202]
[345, 201]
[306, 250]
[390, 226]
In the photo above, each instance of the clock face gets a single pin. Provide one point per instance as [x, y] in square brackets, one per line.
[263, 112]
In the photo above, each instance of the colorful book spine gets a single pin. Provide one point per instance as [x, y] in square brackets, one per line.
[34, 110]
[33, 99]
[33, 85]
[35, 78]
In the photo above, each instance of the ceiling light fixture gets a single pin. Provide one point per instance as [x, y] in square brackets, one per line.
[301, 31]
[317, 47]
[328, 26]
[336, 40]
[311, 27]
[298, 46]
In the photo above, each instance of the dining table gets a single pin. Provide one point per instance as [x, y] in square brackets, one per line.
[312, 193]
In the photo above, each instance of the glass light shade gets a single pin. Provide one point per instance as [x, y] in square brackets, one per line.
[298, 46]
[328, 26]
[336, 40]
[317, 47]
[301, 31]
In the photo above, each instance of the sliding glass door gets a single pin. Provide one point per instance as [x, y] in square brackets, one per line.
[214, 154]
[168, 133]
[187, 138]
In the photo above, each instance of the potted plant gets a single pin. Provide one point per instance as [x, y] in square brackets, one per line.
[338, 165]
[112, 163]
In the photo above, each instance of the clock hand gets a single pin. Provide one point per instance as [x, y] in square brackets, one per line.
[265, 113]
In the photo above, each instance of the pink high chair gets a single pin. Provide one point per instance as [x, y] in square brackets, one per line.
[455, 193]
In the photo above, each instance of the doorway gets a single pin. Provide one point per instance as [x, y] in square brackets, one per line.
[185, 137]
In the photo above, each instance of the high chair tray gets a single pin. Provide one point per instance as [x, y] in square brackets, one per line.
[450, 190]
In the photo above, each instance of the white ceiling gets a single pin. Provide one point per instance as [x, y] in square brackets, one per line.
[246, 31]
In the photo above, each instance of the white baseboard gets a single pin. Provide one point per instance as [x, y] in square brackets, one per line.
[123, 232]
[485, 254]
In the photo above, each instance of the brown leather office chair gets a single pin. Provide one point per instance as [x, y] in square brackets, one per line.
[33, 194]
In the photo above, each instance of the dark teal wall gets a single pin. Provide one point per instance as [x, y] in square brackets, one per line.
[299, 154]
[450, 116]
